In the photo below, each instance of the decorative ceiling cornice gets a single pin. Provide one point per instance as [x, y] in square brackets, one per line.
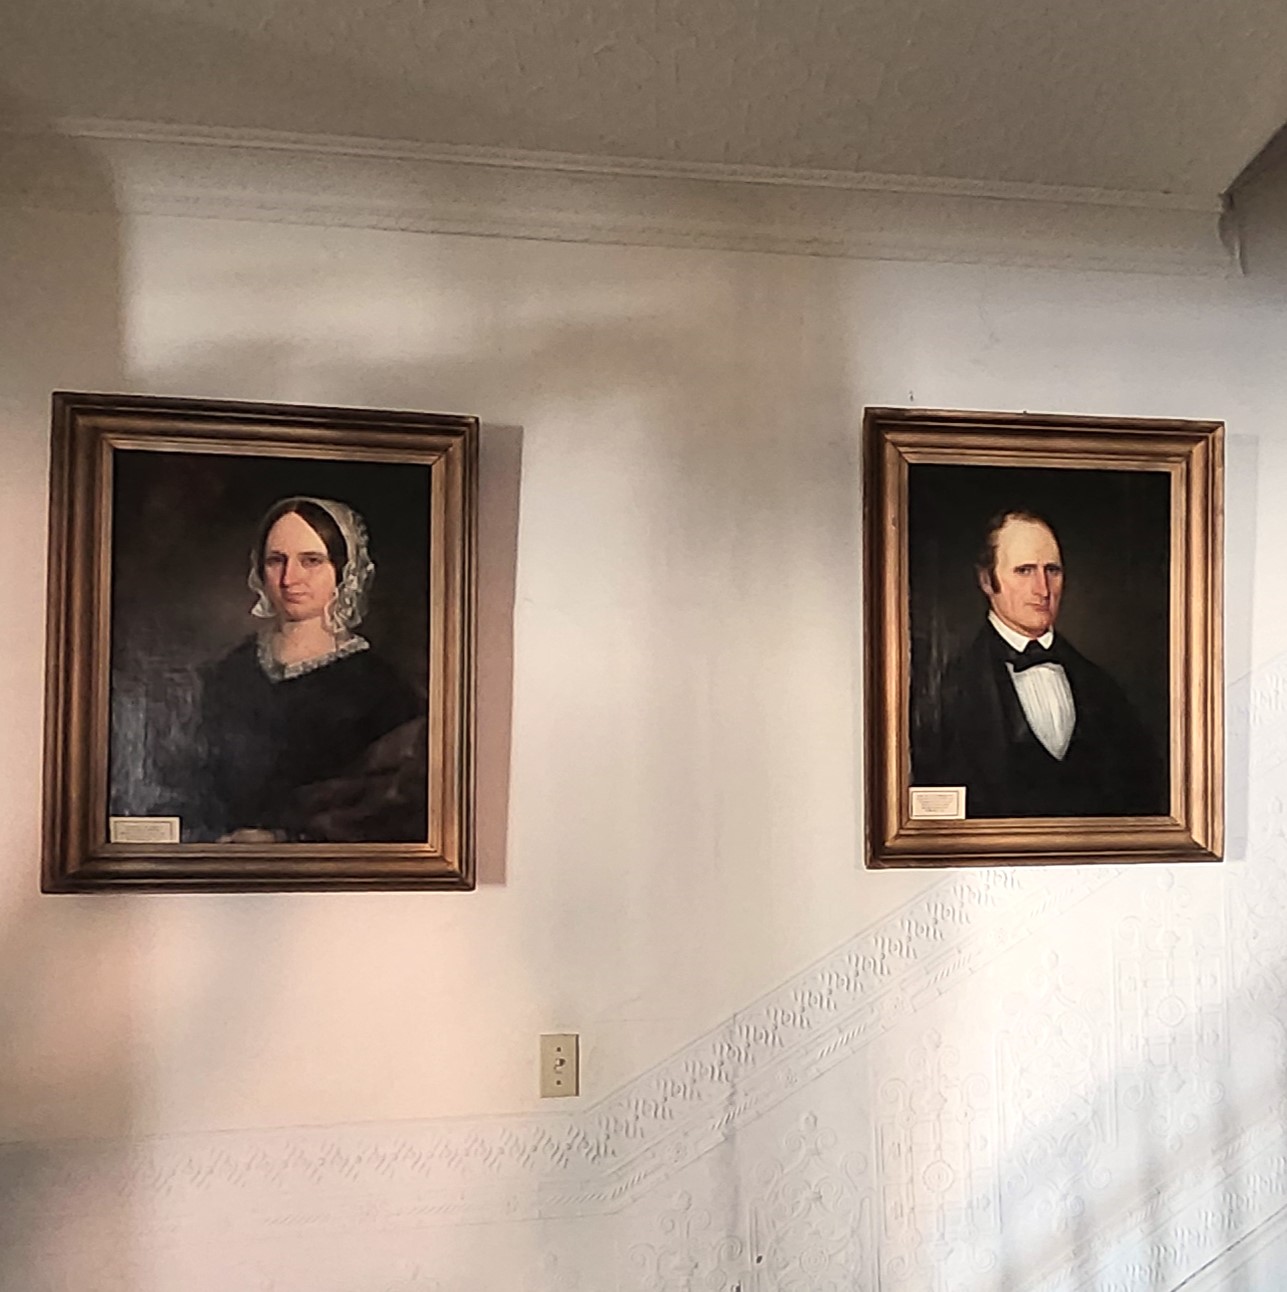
[149, 169]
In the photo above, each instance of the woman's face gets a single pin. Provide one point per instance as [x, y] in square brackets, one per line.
[298, 575]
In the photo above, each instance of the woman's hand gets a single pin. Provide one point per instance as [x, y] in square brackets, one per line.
[254, 836]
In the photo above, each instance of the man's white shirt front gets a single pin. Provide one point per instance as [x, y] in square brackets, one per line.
[1044, 693]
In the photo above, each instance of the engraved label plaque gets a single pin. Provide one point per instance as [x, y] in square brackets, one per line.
[143, 829]
[937, 802]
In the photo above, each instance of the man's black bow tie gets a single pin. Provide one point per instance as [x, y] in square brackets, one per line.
[1032, 654]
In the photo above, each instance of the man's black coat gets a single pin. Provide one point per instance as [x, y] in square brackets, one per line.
[977, 736]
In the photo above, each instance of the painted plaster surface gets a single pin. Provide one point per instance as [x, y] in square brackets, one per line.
[799, 1075]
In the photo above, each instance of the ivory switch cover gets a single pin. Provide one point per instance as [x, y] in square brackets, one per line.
[560, 1066]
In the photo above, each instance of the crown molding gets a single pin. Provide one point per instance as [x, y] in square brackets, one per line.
[139, 169]
[581, 163]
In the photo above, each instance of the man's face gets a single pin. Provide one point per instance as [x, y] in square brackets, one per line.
[1029, 578]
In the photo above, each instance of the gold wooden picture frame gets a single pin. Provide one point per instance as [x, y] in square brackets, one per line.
[1043, 610]
[260, 654]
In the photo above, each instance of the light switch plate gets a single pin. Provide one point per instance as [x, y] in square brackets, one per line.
[560, 1065]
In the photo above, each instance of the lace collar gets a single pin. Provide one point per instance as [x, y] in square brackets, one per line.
[275, 671]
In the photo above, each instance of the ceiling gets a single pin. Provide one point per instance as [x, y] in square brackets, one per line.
[1152, 96]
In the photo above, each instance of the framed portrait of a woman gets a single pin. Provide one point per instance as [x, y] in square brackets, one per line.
[259, 662]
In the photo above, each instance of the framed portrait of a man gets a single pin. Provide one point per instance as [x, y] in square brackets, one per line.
[1043, 634]
[259, 665]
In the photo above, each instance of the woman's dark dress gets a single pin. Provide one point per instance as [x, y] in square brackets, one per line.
[335, 753]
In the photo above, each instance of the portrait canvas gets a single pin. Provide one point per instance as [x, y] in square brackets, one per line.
[1043, 618]
[1040, 671]
[228, 715]
[260, 635]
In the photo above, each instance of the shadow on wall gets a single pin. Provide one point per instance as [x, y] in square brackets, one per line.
[646, 675]
[1193, 1213]
[90, 1036]
[702, 456]
[68, 987]
[1242, 470]
[655, 420]
[1257, 205]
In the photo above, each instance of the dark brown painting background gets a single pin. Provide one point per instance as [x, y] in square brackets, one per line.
[1114, 536]
[183, 527]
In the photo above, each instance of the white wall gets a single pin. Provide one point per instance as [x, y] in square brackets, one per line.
[797, 1074]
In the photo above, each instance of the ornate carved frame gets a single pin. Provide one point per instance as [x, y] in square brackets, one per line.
[89, 431]
[1191, 453]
